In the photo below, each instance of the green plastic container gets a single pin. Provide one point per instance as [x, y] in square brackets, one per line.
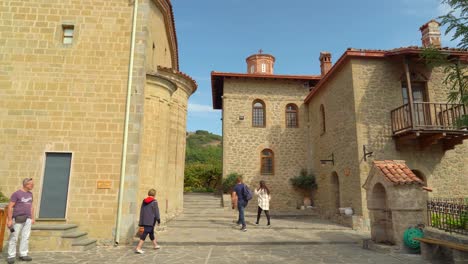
[410, 235]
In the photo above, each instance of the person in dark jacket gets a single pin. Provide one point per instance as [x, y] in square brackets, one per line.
[149, 216]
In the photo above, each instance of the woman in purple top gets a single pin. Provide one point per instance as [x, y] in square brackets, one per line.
[241, 202]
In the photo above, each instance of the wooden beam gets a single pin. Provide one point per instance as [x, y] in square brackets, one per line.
[451, 143]
[429, 140]
[410, 90]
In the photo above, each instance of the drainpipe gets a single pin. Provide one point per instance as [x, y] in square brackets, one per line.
[127, 115]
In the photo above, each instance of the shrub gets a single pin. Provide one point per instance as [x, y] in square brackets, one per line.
[3, 198]
[305, 181]
[230, 181]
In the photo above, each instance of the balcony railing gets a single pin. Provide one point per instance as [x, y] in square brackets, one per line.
[428, 116]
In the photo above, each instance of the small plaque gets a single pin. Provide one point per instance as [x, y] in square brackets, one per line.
[104, 184]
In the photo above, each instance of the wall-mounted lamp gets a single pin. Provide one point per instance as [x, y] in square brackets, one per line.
[241, 117]
[366, 154]
[332, 160]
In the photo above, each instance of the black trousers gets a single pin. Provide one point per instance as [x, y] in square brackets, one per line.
[149, 230]
[259, 212]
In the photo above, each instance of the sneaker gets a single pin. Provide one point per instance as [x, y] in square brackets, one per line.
[11, 260]
[157, 247]
[25, 258]
[268, 224]
[256, 223]
[139, 251]
[244, 229]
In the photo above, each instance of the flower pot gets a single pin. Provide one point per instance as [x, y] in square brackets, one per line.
[348, 211]
[307, 201]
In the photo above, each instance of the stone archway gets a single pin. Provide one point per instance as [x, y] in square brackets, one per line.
[335, 192]
[381, 215]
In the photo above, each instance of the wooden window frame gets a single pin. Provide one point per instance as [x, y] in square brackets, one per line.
[323, 127]
[262, 157]
[296, 111]
[264, 112]
[65, 27]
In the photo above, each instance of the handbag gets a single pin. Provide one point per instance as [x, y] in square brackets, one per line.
[21, 219]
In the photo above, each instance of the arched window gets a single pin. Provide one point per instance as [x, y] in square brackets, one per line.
[267, 162]
[258, 113]
[292, 116]
[322, 119]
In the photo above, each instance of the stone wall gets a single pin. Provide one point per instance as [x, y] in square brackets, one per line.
[242, 143]
[377, 89]
[358, 101]
[71, 98]
[340, 139]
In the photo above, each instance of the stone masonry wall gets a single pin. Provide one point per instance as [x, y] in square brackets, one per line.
[71, 98]
[377, 89]
[339, 139]
[242, 143]
[65, 98]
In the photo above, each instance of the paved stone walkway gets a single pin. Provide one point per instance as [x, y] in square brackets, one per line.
[205, 235]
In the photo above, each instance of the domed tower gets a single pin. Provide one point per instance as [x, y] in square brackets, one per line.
[260, 63]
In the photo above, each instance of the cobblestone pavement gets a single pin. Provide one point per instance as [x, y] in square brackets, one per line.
[203, 236]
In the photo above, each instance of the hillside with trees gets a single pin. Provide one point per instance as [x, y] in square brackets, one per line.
[203, 161]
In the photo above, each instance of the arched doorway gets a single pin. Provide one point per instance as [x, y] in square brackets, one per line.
[382, 226]
[335, 192]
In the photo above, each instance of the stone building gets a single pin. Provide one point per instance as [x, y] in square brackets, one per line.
[359, 105]
[264, 125]
[63, 80]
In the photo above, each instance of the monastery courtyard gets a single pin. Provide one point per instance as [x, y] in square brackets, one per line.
[206, 233]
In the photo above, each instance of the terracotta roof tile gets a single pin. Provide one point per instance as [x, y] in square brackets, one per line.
[397, 172]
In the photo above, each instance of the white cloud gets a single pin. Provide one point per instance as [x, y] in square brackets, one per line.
[200, 108]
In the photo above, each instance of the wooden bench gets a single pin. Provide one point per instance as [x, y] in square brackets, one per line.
[443, 243]
[459, 252]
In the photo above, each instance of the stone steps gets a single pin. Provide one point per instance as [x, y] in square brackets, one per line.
[59, 237]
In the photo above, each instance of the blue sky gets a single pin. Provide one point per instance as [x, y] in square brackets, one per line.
[219, 34]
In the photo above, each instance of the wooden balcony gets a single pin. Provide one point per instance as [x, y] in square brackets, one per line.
[429, 123]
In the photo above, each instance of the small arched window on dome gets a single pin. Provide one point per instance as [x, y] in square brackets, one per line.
[263, 67]
[252, 69]
[267, 162]
[292, 120]
[322, 120]
[258, 113]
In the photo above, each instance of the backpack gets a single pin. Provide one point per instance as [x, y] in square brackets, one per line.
[247, 193]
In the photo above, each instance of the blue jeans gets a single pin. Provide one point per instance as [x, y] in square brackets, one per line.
[241, 207]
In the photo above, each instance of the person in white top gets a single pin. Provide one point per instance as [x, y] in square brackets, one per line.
[263, 195]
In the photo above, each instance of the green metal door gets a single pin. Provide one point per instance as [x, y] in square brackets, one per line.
[55, 185]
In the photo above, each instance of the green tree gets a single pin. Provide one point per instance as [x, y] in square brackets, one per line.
[456, 21]
[203, 162]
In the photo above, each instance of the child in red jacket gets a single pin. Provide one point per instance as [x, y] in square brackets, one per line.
[149, 216]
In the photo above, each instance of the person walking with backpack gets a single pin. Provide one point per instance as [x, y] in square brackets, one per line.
[263, 196]
[149, 216]
[243, 196]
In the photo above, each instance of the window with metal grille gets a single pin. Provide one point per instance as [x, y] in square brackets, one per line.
[267, 163]
[258, 113]
[291, 116]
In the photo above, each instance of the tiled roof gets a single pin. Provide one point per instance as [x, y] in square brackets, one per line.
[374, 53]
[397, 172]
[184, 75]
[217, 82]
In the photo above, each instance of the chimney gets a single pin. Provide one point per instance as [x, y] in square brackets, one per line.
[430, 34]
[260, 63]
[325, 62]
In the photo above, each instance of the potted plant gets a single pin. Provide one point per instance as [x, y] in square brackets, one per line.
[305, 183]
[227, 185]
